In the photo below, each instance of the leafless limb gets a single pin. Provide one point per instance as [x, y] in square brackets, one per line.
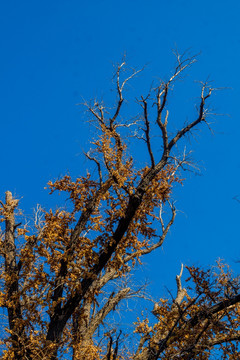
[181, 292]
[98, 166]
[97, 110]
[205, 94]
[120, 87]
[147, 130]
[38, 218]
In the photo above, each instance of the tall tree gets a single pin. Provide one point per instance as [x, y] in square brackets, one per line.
[59, 279]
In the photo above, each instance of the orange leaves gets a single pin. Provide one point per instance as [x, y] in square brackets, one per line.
[192, 328]
[52, 265]
[142, 326]
[21, 231]
[143, 229]
[58, 273]
[2, 299]
[87, 351]
[56, 234]
[161, 186]
[79, 190]
[7, 209]
[8, 355]
[56, 229]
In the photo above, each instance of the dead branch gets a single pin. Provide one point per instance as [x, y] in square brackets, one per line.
[147, 130]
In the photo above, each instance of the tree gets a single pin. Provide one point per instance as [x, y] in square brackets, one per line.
[61, 279]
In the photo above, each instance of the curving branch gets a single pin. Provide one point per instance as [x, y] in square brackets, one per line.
[111, 304]
[205, 94]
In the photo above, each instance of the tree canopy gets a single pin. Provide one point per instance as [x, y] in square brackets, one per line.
[63, 275]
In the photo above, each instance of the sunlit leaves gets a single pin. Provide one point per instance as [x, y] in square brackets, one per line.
[64, 272]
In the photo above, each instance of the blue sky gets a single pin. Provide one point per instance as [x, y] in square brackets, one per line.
[54, 53]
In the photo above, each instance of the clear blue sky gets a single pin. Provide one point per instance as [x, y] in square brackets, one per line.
[55, 52]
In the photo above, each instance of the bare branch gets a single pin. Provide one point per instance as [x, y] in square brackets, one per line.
[120, 88]
[181, 293]
[201, 117]
[147, 130]
[93, 109]
[98, 166]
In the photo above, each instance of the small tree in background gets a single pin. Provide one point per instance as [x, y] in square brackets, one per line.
[62, 279]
